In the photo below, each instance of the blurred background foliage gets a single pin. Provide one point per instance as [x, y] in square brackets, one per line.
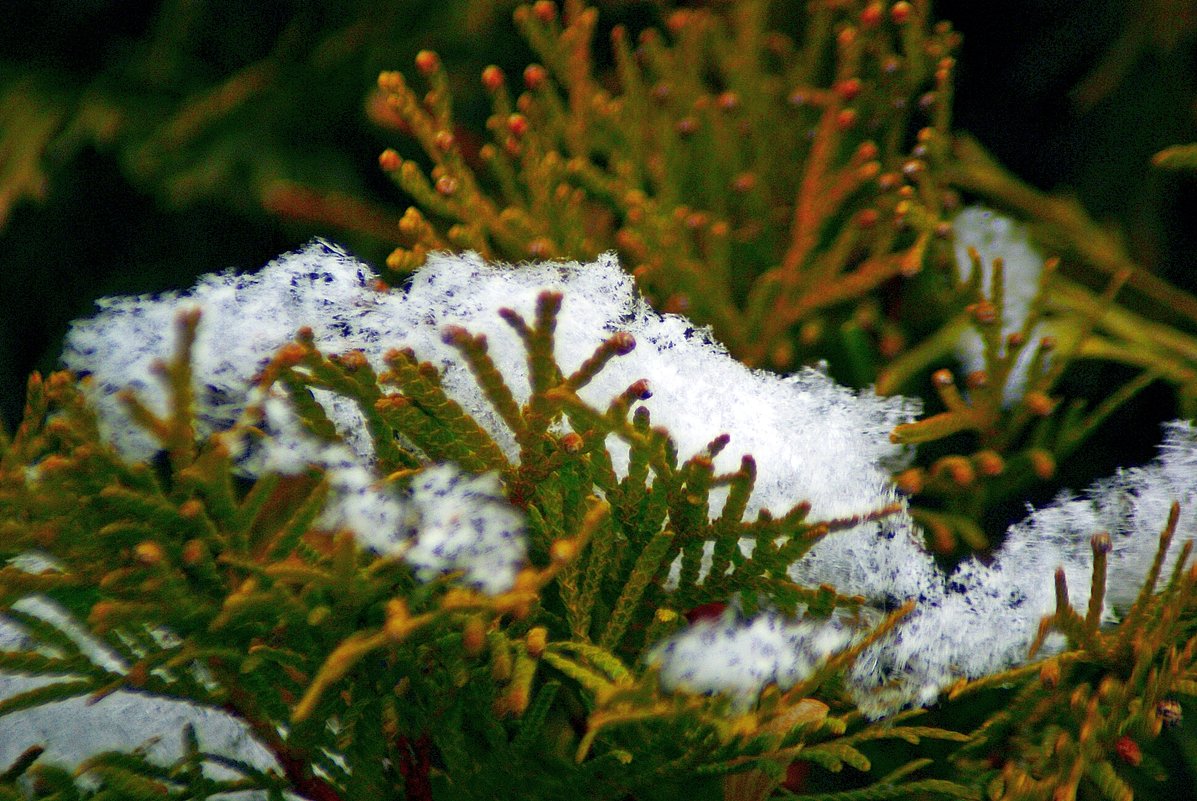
[145, 143]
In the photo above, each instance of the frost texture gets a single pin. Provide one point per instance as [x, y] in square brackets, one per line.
[994, 236]
[814, 440]
[464, 523]
[978, 621]
[740, 657]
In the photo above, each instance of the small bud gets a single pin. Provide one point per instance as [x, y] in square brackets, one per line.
[571, 443]
[1101, 542]
[1049, 674]
[444, 141]
[848, 88]
[901, 12]
[493, 78]
[867, 218]
[1128, 751]
[390, 81]
[536, 640]
[983, 312]
[544, 11]
[1038, 403]
[427, 62]
[743, 183]
[1043, 464]
[622, 342]
[728, 101]
[517, 124]
[846, 119]
[911, 481]
[389, 160]
[989, 463]
[149, 553]
[535, 76]
[446, 185]
[563, 551]
[872, 15]
[942, 378]
[686, 126]
[193, 552]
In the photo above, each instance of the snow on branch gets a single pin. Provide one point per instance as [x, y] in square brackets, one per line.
[813, 441]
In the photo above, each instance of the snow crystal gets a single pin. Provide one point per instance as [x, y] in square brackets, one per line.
[464, 523]
[831, 442]
[741, 657]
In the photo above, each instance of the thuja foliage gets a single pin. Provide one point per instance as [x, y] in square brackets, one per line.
[795, 188]
[361, 681]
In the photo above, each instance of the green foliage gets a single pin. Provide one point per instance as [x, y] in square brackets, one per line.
[323, 649]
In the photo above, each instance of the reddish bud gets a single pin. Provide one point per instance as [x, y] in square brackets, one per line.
[872, 15]
[744, 182]
[535, 76]
[544, 11]
[517, 124]
[446, 185]
[867, 218]
[1043, 464]
[846, 119]
[728, 101]
[1128, 751]
[901, 12]
[492, 78]
[444, 141]
[911, 481]
[389, 160]
[1038, 404]
[427, 62]
[708, 611]
[848, 88]
[686, 126]
[989, 463]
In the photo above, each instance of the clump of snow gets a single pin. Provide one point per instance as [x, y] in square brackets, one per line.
[814, 440]
[740, 657]
[460, 522]
[76, 729]
[995, 236]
